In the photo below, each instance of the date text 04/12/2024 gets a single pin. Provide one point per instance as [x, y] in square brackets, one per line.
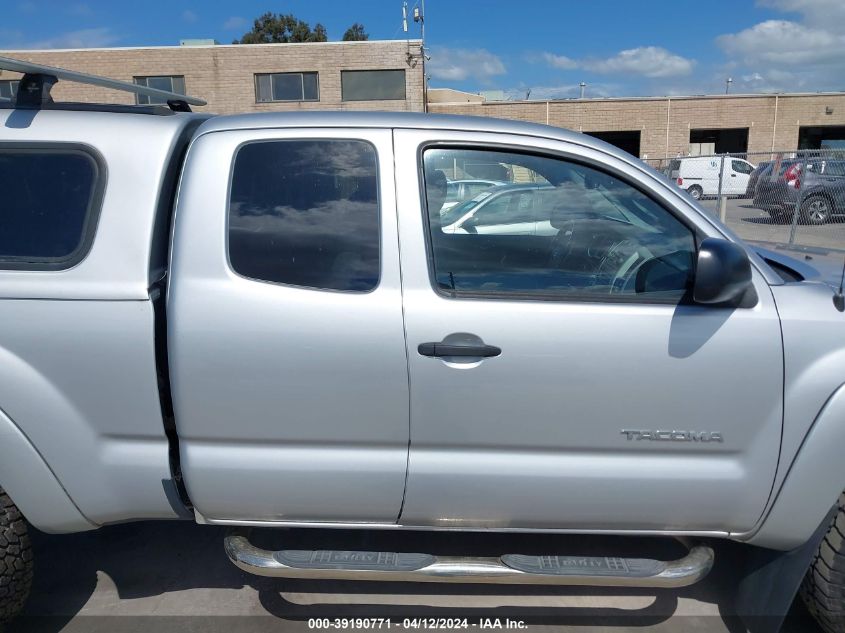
[414, 623]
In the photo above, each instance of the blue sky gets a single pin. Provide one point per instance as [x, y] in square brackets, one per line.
[618, 47]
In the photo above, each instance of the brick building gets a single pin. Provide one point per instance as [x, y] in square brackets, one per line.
[389, 75]
[655, 127]
[379, 75]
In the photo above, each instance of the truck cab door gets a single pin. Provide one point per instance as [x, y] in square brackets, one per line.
[567, 381]
[285, 334]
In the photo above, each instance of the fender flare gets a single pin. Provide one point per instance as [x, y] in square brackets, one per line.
[813, 483]
[31, 484]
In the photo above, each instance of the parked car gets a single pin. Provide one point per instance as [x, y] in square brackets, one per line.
[754, 178]
[264, 320]
[460, 190]
[820, 183]
[502, 209]
[699, 175]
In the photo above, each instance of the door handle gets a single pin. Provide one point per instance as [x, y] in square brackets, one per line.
[437, 350]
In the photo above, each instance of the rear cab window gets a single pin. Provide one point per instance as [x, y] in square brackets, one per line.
[306, 213]
[52, 198]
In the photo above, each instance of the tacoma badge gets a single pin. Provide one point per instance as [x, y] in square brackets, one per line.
[673, 435]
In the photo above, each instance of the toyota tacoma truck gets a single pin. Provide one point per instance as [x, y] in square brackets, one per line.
[259, 320]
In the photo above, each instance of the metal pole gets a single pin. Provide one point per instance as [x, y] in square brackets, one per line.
[775, 125]
[803, 178]
[422, 55]
[723, 205]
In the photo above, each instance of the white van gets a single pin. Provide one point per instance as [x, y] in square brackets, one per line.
[699, 175]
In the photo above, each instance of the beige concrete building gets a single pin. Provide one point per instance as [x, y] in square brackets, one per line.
[379, 75]
[389, 75]
[656, 127]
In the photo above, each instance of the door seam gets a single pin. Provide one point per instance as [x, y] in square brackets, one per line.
[404, 324]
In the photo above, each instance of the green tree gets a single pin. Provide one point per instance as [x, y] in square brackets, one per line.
[355, 33]
[276, 28]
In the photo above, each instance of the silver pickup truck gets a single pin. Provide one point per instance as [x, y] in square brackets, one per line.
[259, 320]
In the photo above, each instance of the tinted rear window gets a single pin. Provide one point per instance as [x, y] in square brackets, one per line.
[49, 206]
[306, 213]
[835, 169]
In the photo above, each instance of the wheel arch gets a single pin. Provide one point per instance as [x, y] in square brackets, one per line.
[813, 483]
[33, 486]
[821, 193]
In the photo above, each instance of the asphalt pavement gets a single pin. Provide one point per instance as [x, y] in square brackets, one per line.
[174, 576]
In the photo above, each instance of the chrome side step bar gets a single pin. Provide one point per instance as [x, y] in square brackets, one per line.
[508, 569]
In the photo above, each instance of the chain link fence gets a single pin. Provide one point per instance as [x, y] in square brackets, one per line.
[785, 200]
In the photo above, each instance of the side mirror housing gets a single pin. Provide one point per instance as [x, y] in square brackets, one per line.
[722, 273]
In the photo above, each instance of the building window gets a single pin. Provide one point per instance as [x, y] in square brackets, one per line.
[8, 88]
[170, 83]
[372, 85]
[287, 87]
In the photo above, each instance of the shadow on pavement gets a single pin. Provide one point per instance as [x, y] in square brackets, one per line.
[154, 559]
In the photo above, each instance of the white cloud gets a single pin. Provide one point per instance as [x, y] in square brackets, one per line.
[458, 64]
[813, 12]
[235, 23]
[649, 61]
[84, 38]
[560, 61]
[189, 16]
[784, 42]
[792, 55]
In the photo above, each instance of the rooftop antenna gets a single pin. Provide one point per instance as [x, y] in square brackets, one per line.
[419, 16]
[582, 85]
[728, 83]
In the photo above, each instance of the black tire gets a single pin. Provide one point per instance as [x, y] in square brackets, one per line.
[816, 210]
[781, 217]
[15, 560]
[696, 192]
[823, 589]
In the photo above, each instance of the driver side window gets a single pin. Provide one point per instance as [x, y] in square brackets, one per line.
[566, 231]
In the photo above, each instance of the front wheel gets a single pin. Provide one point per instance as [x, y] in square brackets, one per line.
[15, 560]
[816, 210]
[823, 589]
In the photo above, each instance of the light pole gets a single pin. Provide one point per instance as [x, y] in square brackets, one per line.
[419, 17]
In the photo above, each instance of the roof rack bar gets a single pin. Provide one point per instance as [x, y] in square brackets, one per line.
[175, 100]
